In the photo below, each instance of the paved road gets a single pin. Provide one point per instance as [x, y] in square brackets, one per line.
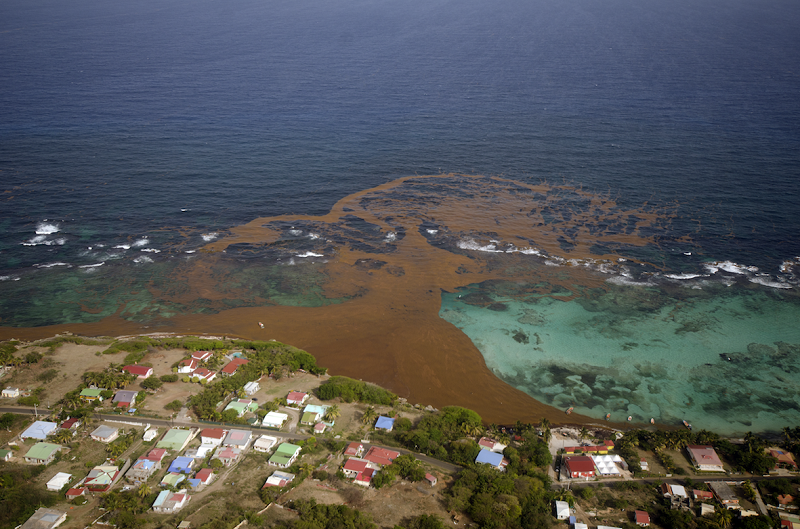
[167, 423]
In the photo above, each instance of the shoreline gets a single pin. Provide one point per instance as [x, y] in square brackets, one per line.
[29, 338]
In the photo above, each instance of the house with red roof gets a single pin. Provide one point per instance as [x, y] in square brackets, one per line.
[233, 365]
[490, 444]
[353, 466]
[642, 518]
[579, 466]
[702, 495]
[704, 458]
[70, 424]
[783, 458]
[430, 478]
[213, 436]
[75, 492]
[156, 454]
[203, 373]
[205, 476]
[354, 449]
[381, 456]
[202, 356]
[364, 478]
[296, 398]
[139, 371]
[188, 365]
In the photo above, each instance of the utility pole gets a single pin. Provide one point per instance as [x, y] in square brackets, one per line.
[34, 410]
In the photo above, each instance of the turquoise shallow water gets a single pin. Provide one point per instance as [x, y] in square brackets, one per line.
[645, 351]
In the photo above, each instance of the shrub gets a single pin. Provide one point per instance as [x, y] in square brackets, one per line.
[151, 383]
[169, 378]
[33, 357]
[175, 405]
[48, 375]
[28, 401]
[321, 475]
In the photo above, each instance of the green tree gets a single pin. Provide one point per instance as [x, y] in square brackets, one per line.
[152, 383]
[332, 413]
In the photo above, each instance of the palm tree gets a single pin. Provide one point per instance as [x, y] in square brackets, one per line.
[144, 490]
[331, 413]
[63, 436]
[369, 415]
[471, 430]
[723, 517]
[584, 433]
[306, 468]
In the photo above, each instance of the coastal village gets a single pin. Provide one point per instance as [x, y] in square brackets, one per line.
[188, 432]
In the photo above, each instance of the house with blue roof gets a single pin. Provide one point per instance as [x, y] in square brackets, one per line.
[384, 423]
[39, 430]
[487, 457]
[182, 465]
[142, 470]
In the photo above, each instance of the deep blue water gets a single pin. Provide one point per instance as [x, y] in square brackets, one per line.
[115, 117]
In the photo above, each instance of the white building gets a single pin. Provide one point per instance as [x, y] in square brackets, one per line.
[274, 419]
[251, 387]
[265, 443]
[562, 510]
[58, 481]
[11, 393]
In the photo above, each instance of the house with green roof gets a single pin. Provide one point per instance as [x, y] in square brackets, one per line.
[313, 413]
[172, 479]
[91, 395]
[42, 453]
[175, 439]
[284, 455]
[242, 406]
[5, 455]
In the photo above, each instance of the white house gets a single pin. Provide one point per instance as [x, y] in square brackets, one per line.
[264, 443]
[274, 419]
[251, 388]
[188, 365]
[45, 519]
[562, 510]
[213, 436]
[296, 398]
[150, 434]
[58, 481]
[105, 434]
[168, 501]
[11, 393]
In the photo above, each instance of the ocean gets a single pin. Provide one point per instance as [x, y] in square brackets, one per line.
[613, 222]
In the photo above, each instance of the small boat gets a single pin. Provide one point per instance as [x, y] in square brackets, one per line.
[261, 325]
[608, 416]
[687, 425]
[630, 417]
[569, 410]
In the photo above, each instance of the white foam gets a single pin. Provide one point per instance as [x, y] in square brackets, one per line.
[142, 242]
[9, 278]
[47, 229]
[313, 236]
[123, 246]
[787, 265]
[190, 251]
[432, 232]
[208, 237]
[729, 266]
[150, 250]
[51, 265]
[39, 239]
[296, 232]
[142, 259]
[92, 265]
[683, 276]
[185, 209]
[310, 254]
[766, 281]
[622, 280]
[471, 244]
[391, 237]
